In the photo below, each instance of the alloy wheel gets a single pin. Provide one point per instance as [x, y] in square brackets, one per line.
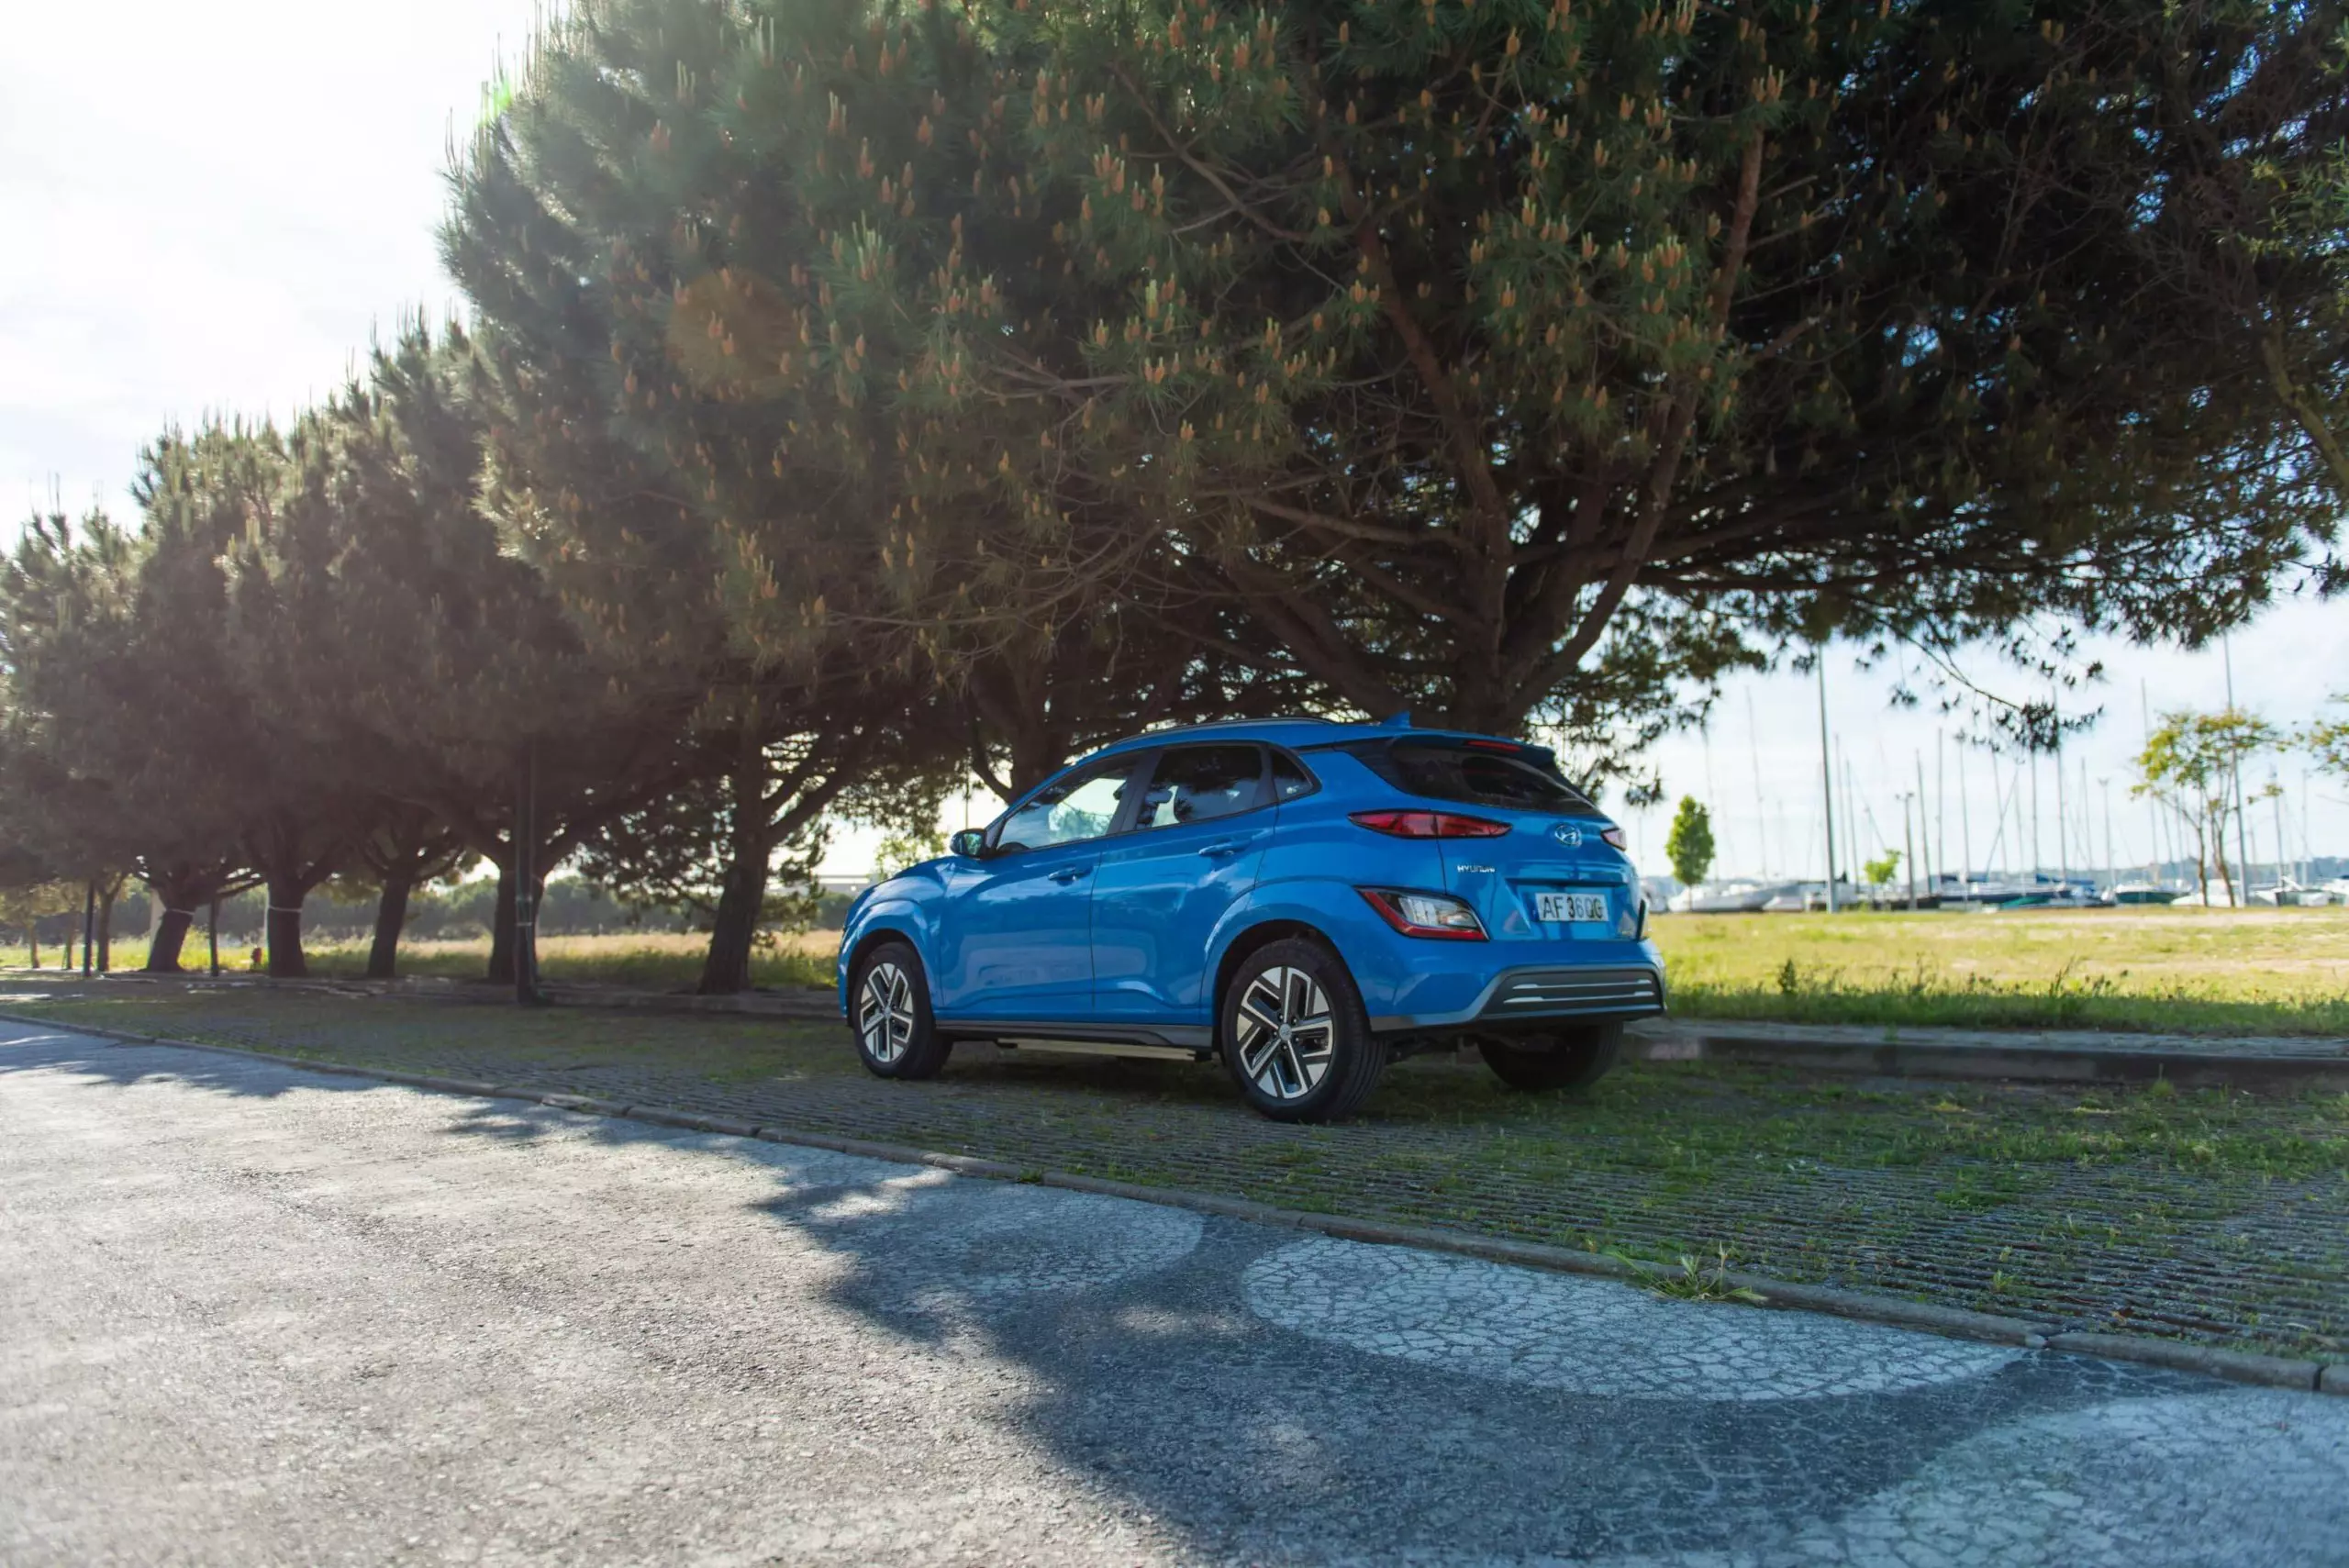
[1287, 1036]
[884, 1015]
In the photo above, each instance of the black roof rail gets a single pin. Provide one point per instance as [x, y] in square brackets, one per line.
[1239, 723]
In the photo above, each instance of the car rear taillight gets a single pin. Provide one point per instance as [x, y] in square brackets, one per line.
[1434, 915]
[1428, 825]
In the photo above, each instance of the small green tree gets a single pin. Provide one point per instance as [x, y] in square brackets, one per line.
[2189, 764]
[2326, 740]
[1883, 869]
[1689, 845]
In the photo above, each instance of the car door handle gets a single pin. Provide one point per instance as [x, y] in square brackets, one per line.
[1228, 846]
[1067, 873]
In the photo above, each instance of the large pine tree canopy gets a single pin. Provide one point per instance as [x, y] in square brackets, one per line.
[1513, 360]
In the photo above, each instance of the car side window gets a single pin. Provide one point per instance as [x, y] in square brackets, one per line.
[1198, 784]
[1069, 810]
[1290, 779]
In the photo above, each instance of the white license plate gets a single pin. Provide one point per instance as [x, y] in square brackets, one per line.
[1569, 906]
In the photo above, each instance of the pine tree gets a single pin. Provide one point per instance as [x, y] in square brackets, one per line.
[1516, 361]
[435, 657]
[646, 275]
[124, 742]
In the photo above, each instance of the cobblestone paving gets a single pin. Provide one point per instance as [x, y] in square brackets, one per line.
[2229, 1225]
[1587, 1336]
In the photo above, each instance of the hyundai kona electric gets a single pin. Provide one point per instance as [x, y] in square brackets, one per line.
[1307, 901]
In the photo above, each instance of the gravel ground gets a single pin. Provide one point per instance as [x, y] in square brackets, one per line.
[250, 1314]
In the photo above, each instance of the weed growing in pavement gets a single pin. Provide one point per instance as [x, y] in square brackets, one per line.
[1695, 1281]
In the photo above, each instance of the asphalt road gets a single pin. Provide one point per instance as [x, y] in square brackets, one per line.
[250, 1314]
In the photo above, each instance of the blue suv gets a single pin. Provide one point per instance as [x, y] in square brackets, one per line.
[1308, 900]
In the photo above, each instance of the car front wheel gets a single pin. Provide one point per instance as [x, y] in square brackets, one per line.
[889, 1010]
[1294, 1036]
[1569, 1059]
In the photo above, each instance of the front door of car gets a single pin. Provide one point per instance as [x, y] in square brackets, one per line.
[1014, 936]
[1164, 882]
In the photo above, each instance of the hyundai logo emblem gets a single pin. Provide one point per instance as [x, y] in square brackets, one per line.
[1569, 835]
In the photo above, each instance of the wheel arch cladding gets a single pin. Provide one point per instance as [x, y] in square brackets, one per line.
[877, 935]
[1262, 935]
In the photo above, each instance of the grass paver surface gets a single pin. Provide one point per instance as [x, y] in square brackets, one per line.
[2210, 1216]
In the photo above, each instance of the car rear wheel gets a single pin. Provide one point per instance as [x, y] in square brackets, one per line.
[1294, 1036]
[889, 1011]
[1569, 1059]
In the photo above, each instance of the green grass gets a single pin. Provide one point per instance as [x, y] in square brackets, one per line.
[2217, 971]
[649, 960]
[602, 961]
[2158, 970]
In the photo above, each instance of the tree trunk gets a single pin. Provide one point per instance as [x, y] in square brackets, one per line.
[108, 893]
[163, 952]
[177, 897]
[284, 930]
[2218, 854]
[391, 918]
[741, 900]
[501, 926]
[32, 939]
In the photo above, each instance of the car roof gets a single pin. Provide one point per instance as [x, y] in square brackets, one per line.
[1298, 734]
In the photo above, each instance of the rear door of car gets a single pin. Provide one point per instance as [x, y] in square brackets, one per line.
[1550, 878]
[1197, 835]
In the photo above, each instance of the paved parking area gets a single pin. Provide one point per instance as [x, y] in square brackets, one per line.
[253, 1315]
[2200, 1215]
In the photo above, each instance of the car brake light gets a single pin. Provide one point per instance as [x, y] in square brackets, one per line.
[1493, 746]
[1617, 837]
[1425, 914]
[1428, 825]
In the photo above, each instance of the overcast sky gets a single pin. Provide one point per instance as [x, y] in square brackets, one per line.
[212, 208]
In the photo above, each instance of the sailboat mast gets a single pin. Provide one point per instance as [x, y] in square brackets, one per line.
[1827, 780]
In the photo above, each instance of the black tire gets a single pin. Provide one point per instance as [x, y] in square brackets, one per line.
[889, 1015]
[1321, 1071]
[1569, 1059]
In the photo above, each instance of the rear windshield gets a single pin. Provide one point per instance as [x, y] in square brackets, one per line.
[1523, 781]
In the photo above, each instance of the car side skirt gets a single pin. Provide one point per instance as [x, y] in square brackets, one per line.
[1188, 1042]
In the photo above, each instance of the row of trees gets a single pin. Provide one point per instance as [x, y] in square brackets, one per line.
[861, 394]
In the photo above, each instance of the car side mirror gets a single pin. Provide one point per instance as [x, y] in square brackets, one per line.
[971, 843]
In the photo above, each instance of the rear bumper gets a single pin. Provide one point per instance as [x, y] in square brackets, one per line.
[1532, 994]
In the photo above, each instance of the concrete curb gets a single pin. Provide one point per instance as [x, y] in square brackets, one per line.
[791, 1002]
[2016, 1062]
[2234, 1366]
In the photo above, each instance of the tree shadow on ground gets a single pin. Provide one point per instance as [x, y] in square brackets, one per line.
[1159, 1378]
[26, 1048]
